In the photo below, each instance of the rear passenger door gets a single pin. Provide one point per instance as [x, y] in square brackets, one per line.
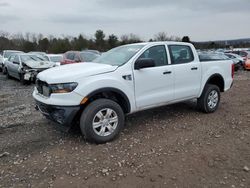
[187, 72]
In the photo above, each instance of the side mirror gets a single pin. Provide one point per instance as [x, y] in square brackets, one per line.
[144, 63]
[17, 63]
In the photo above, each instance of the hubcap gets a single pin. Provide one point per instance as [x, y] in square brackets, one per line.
[105, 122]
[213, 99]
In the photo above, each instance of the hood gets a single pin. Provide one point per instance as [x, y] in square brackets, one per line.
[39, 64]
[72, 72]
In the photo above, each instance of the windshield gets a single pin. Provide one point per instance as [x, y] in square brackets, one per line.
[57, 58]
[9, 53]
[25, 58]
[119, 56]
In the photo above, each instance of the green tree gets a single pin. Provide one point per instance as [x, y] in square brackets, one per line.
[186, 39]
[112, 41]
[43, 45]
[99, 40]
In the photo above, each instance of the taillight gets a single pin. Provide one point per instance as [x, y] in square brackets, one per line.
[232, 70]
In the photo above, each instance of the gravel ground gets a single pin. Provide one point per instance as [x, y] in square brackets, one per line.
[172, 146]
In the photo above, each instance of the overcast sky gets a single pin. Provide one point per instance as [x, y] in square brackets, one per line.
[200, 19]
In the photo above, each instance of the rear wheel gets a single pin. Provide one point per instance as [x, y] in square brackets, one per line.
[102, 121]
[210, 99]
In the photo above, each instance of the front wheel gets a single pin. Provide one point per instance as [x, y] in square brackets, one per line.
[102, 121]
[210, 99]
[22, 80]
[7, 73]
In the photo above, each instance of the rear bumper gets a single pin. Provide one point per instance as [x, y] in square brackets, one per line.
[63, 115]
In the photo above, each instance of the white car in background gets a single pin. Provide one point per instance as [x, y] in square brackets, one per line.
[1, 62]
[237, 59]
[56, 58]
[25, 67]
[6, 55]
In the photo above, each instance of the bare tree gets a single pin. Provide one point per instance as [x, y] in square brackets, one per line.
[161, 36]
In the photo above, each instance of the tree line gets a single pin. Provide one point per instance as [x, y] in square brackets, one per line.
[100, 41]
[37, 42]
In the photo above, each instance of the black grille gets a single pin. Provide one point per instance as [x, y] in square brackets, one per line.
[43, 88]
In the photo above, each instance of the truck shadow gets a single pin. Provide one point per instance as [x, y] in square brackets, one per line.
[139, 119]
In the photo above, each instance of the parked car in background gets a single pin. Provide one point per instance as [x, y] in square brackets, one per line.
[56, 58]
[25, 67]
[37, 52]
[128, 79]
[6, 55]
[247, 63]
[237, 59]
[243, 54]
[1, 63]
[212, 56]
[78, 57]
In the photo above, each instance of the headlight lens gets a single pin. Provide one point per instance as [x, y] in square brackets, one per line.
[63, 88]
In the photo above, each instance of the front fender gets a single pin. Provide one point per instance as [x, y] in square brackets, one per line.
[100, 82]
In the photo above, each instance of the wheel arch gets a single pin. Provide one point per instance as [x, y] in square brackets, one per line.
[216, 79]
[111, 93]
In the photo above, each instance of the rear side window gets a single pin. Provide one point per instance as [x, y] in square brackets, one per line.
[181, 54]
[70, 56]
[158, 54]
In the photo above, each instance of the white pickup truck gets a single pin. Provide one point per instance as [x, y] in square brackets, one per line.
[128, 79]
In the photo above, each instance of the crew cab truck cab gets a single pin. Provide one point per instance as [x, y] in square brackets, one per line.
[128, 79]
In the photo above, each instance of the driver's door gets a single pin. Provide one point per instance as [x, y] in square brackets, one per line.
[154, 86]
[15, 66]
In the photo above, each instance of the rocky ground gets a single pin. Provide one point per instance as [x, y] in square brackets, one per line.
[172, 146]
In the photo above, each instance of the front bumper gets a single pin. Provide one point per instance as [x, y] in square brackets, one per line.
[63, 115]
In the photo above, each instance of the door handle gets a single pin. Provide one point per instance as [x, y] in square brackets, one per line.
[194, 68]
[167, 72]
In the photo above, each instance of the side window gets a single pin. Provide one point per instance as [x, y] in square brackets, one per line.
[181, 54]
[11, 58]
[70, 56]
[16, 59]
[77, 58]
[158, 54]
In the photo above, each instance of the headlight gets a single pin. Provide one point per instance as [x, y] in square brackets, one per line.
[63, 88]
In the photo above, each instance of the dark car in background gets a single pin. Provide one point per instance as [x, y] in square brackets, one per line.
[79, 57]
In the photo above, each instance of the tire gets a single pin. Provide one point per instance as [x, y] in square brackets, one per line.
[4, 70]
[210, 99]
[95, 112]
[7, 73]
[23, 82]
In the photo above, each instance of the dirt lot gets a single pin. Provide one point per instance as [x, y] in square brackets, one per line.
[173, 146]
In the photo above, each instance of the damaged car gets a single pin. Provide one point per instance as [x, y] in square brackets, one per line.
[25, 67]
